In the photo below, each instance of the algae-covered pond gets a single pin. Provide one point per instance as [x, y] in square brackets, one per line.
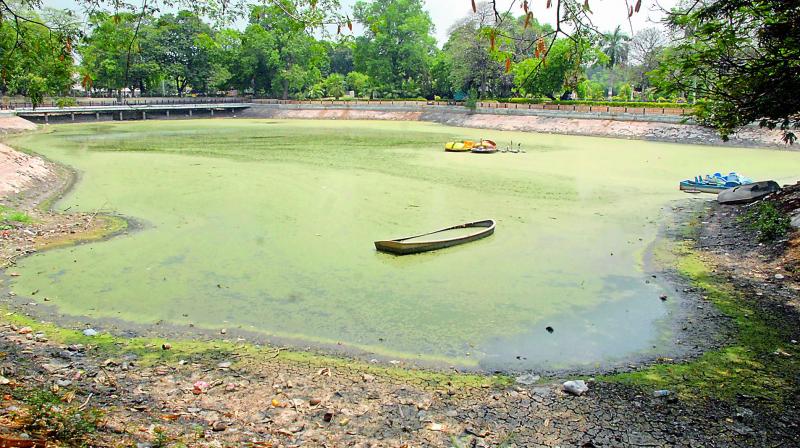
[268, 226]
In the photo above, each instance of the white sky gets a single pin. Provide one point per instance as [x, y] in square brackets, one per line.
[607, 14]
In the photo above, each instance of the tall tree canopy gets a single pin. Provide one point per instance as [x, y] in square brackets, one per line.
[743, 58]
[397, 45]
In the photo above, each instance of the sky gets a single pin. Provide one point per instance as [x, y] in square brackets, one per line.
[606, 14]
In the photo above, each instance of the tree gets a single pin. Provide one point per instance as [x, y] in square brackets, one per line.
[301, 59]
[743, 58]
[562, 68]
[615, 47]
[397, 45]
[341, 56]
[334, 85]
[34, 59]
[359, 83]
[110, 55]
[181, 45]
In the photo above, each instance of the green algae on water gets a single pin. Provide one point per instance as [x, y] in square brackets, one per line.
[268, 227]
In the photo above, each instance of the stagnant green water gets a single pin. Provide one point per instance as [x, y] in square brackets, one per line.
[268, 226]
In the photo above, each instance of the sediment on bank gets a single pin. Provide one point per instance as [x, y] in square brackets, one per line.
[637, 127]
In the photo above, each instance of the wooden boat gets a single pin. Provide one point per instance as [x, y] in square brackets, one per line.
[748, 193]
[402, 246]
[462, 146]
[485, 147]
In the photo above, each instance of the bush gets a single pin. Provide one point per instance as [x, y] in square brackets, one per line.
[770, 223]
[66, 102]
[592, 103]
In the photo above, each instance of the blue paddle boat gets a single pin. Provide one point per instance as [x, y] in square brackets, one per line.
[713, 183]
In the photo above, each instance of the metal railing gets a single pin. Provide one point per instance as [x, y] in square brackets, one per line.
[487, 105]
[100, 102]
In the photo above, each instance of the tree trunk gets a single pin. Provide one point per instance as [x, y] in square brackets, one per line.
[285, 89]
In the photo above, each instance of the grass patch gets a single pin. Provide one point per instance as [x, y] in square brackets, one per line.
[9, 215]
[759, 363]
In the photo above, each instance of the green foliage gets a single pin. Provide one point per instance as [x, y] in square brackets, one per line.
[648, 104]
[397, 47]
[10, 215]
[770, 223]
[742, 56]
[558, 70]
[471, 102]
[34, 60]
[66, 102]
[50, 415]
[334, 85]
[359, 83]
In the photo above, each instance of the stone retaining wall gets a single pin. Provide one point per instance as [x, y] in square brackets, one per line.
[659, 128]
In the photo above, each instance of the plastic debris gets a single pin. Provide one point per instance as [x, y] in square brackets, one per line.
[576, 387]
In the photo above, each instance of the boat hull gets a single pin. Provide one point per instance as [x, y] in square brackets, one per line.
[744, 194]
[691, 187]
[401, 246]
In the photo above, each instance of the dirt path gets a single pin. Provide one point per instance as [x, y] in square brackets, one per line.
[163, 392]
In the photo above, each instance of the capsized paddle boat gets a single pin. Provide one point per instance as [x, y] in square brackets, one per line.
[437, 239]
[713, 183]
[485, 147]
[744, 194]
[462, 146]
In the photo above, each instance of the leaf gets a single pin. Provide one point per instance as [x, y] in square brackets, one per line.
[527, 20]
[525, 6]
[68, 45]
[549, 3]
[630, 13]
[586, 5]
[508, 65]
[638, 5]
[339, 29]
[350, 25]
[474, 7]
[492, 38]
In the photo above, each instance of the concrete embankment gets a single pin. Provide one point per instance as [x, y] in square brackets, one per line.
[668, 128]
[9, 123]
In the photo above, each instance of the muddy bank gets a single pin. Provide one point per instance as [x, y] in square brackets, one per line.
[656, 129]
[10, 124]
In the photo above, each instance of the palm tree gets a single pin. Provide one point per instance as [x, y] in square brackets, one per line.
[615, 46]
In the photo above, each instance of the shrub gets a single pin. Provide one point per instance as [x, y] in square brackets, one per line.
[592, 103]
[770, 223]
[66, 102]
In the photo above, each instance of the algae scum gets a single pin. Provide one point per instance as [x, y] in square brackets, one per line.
[268, 226]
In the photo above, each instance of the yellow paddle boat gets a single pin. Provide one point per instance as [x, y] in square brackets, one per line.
[462, 146]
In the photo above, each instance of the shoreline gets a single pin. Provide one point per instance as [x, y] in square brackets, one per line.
[367, 402]
[64, 178]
